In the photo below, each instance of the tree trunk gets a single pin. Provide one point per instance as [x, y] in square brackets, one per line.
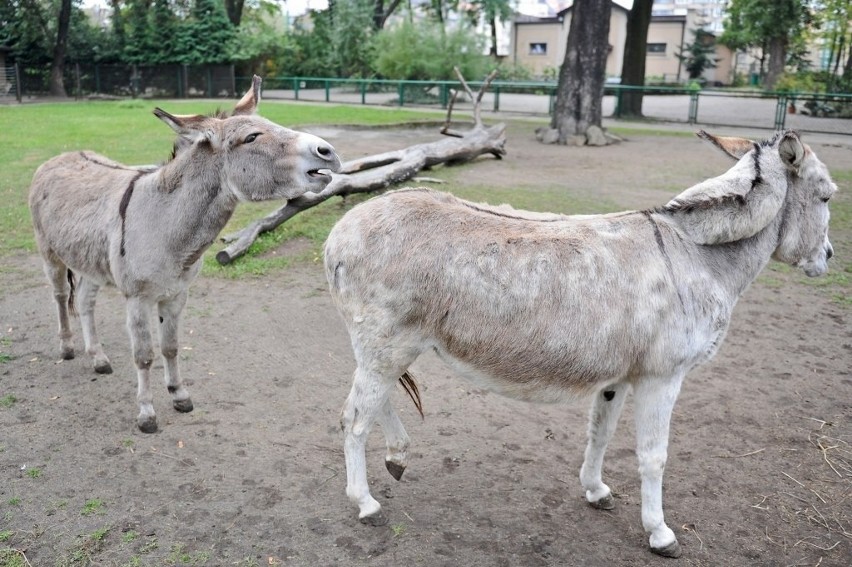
[234, 8]
[380, 15]
[635, 52]
[57, 66]
[579, 94]
[493, 23]
[777, 61]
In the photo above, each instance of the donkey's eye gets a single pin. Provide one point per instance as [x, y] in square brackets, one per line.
[251, 138]
[825, 199]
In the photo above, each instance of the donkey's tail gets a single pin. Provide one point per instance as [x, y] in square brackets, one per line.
[410, 386]
[72, 281]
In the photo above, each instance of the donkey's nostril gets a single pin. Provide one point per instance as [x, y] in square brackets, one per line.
[325, 151]
[829, 252]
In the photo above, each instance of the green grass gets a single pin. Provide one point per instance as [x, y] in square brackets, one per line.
[126, 132]
[93, 506]
[8, 401]
[34, 472]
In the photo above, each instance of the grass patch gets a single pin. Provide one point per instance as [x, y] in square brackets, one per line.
[34, 472]
[179, 556]
[93, 506]
[10, 557]
[103, 127]
[8, 401]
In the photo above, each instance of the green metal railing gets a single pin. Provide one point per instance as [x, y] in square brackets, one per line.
[411, 92]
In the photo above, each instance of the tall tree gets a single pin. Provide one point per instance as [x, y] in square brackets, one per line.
[771, 25]
[491, 11]
[60, 48]
[579, 93]
[698, 55]
[635, 53]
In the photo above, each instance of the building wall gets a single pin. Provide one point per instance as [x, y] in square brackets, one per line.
[668, 36]
[549, 36]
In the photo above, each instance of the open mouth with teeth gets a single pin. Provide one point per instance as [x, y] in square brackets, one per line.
[319, 173]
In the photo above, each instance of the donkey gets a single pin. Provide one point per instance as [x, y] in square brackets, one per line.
[545, 307]
[144, 229]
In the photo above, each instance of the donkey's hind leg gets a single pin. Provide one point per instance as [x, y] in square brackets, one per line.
[396, 437]
[603, 418]
[60, 277]
[169, 312]
[87, 292]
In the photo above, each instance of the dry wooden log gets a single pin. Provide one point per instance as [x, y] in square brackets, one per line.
[379, 171]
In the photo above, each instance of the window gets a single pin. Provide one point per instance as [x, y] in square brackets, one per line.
[538, 49]
[659, 48]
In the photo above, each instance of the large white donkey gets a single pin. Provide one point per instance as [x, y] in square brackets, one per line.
[144, 230]
[545, 307]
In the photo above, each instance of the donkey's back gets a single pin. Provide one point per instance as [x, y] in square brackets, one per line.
[75, 201]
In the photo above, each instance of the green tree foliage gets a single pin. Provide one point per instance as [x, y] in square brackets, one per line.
[698, 55]
[425, 51]
[28, 28]
[351, 34]
[771, 25]
[207, 35]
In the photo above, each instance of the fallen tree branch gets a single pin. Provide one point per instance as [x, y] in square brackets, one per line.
[380, 171]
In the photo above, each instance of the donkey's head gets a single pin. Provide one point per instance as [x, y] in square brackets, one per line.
[804, 186]
[256, 159]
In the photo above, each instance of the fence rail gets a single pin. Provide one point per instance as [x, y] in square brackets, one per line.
[809, 112]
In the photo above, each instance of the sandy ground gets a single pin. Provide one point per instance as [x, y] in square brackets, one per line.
[759, 460]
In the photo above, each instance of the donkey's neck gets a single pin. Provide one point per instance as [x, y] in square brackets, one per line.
[196, 207]
[738, 263]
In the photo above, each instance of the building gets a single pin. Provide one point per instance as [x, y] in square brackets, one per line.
[539, 44]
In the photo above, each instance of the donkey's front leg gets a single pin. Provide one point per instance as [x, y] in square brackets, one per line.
[169, 312]
[138, 325]
[655, 399]
[603, 419]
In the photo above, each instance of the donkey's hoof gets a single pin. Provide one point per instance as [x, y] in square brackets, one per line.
[67, 353]
[183, 406]
[671, 550]
[605, 503]
[377, 519]
[395, 469]
[103, 367]
[148, 425]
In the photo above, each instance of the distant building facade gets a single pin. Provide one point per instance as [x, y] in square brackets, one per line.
[539, 42]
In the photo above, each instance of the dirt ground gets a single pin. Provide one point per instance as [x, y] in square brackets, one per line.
[759, 459]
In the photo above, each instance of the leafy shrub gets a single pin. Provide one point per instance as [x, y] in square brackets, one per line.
[425, 51]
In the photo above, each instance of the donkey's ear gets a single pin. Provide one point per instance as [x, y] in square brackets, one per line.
[792, 151]
[187, 126]
[248, 104]
[734, 147]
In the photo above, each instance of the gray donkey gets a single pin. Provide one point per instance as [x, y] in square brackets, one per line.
[544, 307]
[144, 229]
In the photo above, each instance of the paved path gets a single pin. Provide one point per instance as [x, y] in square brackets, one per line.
[713, 108]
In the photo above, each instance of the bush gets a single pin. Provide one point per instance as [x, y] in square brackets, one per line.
[425, 51]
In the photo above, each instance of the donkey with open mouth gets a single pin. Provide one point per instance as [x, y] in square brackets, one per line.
[144, 229]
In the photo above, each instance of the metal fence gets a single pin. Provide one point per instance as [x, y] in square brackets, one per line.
[9, 83]
[810, 112]
[149, 81]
